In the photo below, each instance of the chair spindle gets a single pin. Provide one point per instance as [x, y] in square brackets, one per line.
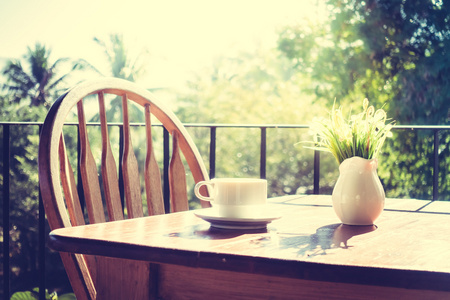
[109, 168]
[130, 168]
[89, 174]
[152, 175]
[69, 187]
[177, 178]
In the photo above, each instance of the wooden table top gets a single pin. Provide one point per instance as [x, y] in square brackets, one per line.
[409, 246]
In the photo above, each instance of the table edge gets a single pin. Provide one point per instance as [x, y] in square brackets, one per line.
[316, 271]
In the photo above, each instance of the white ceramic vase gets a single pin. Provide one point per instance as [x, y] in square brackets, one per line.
[358, 196]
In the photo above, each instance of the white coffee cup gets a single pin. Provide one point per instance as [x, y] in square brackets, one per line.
[235, 197]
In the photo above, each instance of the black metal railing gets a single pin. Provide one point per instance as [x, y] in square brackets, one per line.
[6, 157]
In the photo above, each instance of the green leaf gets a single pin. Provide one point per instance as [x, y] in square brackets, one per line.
[23, 296]
[70, 296]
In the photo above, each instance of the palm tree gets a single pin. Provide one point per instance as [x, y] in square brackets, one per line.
[29, 84]
[122, 64]
[125, 66]
[39, 82]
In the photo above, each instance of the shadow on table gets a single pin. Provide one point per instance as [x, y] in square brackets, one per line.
[325, 238]
[212, 233]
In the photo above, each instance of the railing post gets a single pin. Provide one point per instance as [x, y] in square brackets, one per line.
[212, 152]
[41, 239]
[6, 166]
[436, 165]
[80, 189]
[316, 172]
[120, 177]
[166, 162]
[263, 154]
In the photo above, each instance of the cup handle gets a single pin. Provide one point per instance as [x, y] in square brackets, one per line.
[197, 190]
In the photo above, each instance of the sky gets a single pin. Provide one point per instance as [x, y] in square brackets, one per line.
[181, 36]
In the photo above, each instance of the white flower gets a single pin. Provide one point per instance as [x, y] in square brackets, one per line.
[361, 135]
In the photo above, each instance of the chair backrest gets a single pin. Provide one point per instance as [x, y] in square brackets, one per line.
[102, 190]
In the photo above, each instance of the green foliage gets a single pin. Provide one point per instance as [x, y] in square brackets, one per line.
[407, 169]
[34, 295]
[254, 88]
[391, 52]
[23, 195]
[332, 62]
[24, 206]
[24, 139]
[39, 81]
[394, 53]
[408, 41]
[122, 63]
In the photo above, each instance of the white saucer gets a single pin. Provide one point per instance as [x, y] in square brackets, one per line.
[211, 215]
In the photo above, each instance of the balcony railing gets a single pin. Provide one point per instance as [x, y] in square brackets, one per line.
[430, 131]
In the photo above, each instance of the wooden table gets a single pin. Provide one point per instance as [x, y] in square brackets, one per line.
[305, 254]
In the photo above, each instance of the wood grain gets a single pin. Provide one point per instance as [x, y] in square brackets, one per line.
[406, 249]
[70, 187]
[177, 178]
[152, 175]
[130, 168]
[94, 277]
[123, 279]
[178, 282]
[89, 174]
[109, 168]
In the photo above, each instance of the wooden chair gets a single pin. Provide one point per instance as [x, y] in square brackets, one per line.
[101, 277]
